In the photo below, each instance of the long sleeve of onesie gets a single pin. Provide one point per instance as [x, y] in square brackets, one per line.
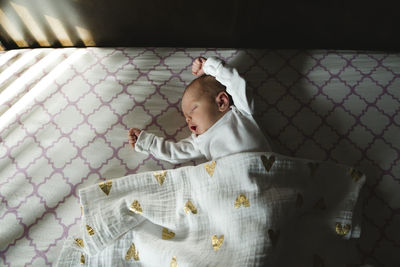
[235, 85]
[174, 152]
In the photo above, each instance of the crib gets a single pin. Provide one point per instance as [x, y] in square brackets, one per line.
[65, 115]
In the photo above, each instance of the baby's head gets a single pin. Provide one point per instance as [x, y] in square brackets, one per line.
[204, 102]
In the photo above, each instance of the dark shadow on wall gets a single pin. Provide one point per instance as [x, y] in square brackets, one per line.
[307, 24]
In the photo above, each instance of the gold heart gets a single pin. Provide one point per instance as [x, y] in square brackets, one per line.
[79, 242]
[273, 236]
[313, 167]
[106, 186]
[320, 204]
[173, 262]
[190, 207]
[299, 200]
[166, 235]
[132, 253]
[135, 207]
[82, 259]
[160, 176]
[90, 230]
[355, 174]
[342, 230]
[210, 168]
[217, 242]
[242, 199]
[318, 261]
[268, 162]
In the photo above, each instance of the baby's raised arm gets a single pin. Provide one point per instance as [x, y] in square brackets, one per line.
[235, 84]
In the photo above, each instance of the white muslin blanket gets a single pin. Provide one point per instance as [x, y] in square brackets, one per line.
[246, 209]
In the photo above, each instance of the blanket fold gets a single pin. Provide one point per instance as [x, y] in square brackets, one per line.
[240, 210]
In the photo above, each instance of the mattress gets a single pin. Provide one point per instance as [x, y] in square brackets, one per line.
[65, 114]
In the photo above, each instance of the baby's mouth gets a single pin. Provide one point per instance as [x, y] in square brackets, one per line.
[193, 128]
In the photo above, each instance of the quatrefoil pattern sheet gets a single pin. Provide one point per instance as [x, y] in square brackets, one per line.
[65, 114]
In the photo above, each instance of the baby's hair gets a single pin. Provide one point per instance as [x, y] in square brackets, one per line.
[207, 85]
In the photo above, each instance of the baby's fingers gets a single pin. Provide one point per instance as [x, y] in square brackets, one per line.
[197, 66]
[132, 142]
[195, 70]
[197, 60]
[202, 60]
[136, 132]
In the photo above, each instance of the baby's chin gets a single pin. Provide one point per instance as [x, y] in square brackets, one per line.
[201, 131]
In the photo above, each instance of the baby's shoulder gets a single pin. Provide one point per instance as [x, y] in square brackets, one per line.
[238, 112]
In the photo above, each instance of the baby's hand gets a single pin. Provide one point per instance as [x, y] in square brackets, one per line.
[133, 136]
[197, 66]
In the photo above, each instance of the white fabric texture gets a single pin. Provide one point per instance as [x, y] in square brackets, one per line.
[235, 132]
[280, 193]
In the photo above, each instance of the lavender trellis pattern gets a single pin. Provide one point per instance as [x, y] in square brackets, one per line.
[64, 116]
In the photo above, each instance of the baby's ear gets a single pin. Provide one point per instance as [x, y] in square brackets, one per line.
[222, 100]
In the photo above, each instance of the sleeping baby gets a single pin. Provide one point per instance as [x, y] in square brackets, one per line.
[218, 127]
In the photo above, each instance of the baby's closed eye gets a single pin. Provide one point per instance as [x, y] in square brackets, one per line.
[193, 109]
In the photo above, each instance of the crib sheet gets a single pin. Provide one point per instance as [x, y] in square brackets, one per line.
[64, 116]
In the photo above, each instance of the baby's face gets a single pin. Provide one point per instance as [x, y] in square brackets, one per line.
[200, 111]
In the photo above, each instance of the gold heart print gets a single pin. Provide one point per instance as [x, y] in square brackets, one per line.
[132, 253]
[79, 242]
[210, 167]
[189, 207]
[173, 262]
[82, 259]
[355, 174]
[106, 186]
[160, 176]
[313, 167]
[166, 235]
[268, 162]
[342, 230]
[242, 200]
[90, 230]
[135, 207]
[217, 242]
[273, 236]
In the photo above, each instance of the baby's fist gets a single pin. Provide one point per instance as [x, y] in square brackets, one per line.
[197, 66]
[133, 136]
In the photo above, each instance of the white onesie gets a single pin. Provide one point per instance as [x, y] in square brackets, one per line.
[235, 132]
